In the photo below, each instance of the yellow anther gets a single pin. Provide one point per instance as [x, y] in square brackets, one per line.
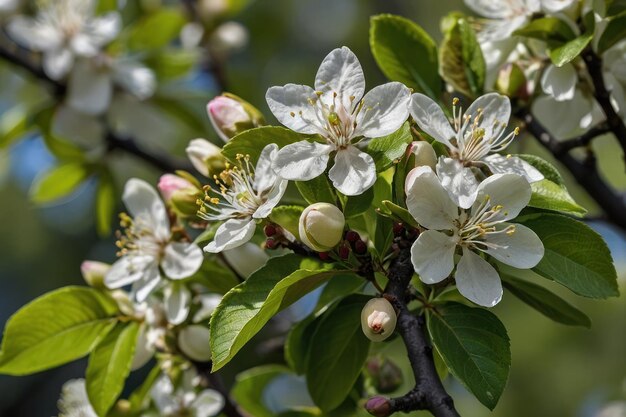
[292, 114]
[516, 131]
[455, 101]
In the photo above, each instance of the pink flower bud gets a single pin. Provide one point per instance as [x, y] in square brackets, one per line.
[225, 113]
[378, 406]
[170, 183]
[93, 272]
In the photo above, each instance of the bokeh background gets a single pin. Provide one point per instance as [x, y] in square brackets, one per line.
[557, 370]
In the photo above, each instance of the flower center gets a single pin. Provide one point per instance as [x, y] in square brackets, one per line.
[476, 225]
[138, 237]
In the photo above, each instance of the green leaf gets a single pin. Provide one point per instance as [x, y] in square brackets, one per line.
[548, 170]
[181, 110]
[60, 147]
[462, 62]
[287, 217]
[54, 329]
[109, 366]
[58, 182]
[575, 255]
[245, 309]
[317, 190]
[252, 141]
[388, 149]
[565, 53]
[138, 398]
[549, 29]
[173, 62]
[545, 302]
[358, 204]
[406, 53]
[548, 195]
[215, 277]
[400, 213]
[298, 343]
[105, 203]
[475, 346]
[338, 350]
[156, 30]
[14, 123]
[250, 385]
[614, 32]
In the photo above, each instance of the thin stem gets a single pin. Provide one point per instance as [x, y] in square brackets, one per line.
[584, 139]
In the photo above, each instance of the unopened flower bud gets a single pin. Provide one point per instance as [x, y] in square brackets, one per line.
[344, 252]
[511, 81]
[193, 341]
[378, 406]
[423, 154]
[269, 230]
[386, 375]
[321, 226]
[205, 157]
[231, 115]
[170, 183]
[378, 319]
[360, 247]
[352, 236]
[93, 273]
[324, 256]
[270, 243]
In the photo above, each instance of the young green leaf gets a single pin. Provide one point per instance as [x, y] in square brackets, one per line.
[338, 350]
[550, 196]
[462, 62]
[406, 53]
[105, 203]
[156, 30]
[358, 204]
[388, 149]
[246, 308]
[549, 29]
[614, 32]
[565, 53]
[317, 190]
[215, 277]
[575, 255]
[545, 302]
[475, 346]
[56, 328]
[287, 217]
[109, 366]
[252, 141]
[14, 123]
[58, 182]
[548, 170]
[250, 385]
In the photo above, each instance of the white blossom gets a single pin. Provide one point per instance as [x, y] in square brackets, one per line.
[147, 248]
[337, 110]
[472, 140]
[74, 401]
[559, 82]
[63, 30]
[483, 227]
[174, 401]
[244, 195]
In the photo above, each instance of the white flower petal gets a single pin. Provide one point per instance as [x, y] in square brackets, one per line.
[478, 281]
[272, 199]
[33, 34]
[264, 176]
[563, 118]
[142, 288]
[126, 270]
[353, 172]
[492, 9]
[233, 233]
[555, 6]
[341, 72]
[135, 78]
[510, 191]
[144, 204]
[301, 161]
[209, 302]
[104, 28]
[459, 181]
[255, 258]
[177, 300]
[84, 130]
[559, 83]
[499, 164]
[57, 63]
[193, 341]
[291, 104]
[90, 89]
[83, 45]
[428, 202]
[432, 256]
[181, 260]
[144, 350]
[385, 109]
[496, 110]
[522, 249]
[208, 403]
[431, 119]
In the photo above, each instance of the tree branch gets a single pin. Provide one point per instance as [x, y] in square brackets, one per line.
[20, 59]
[603, 97]
[158, 160]
[586, 174]
[582, 140]
[429, 393]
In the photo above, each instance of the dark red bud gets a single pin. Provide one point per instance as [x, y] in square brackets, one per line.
[378, 406]
[360, 247]
[398, 229]
[271, 243]
[324, 256]
[270, 230]
[352, 236]
[344, 252]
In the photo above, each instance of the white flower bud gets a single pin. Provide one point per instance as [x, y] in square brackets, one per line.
[230, 36]
[321, 226]
[424, 154]
[194, 342]
[254, 256]
[204, 156]
[378, 319]
[231, 115]
[93, 273]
